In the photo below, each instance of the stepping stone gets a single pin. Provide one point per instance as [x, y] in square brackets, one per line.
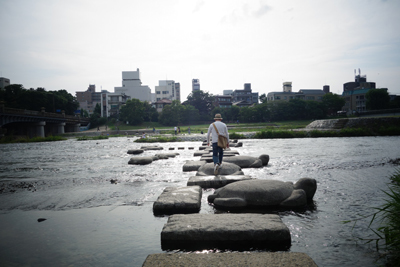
[135, 151]
[193, 165]
[240, 144]
[191, 148]
[171, 148]
[140, 160]
[208, 157]
[151, 148]
[181, 148]
[200, 153]
[225, 169]
[249, 259]
[166, 155]
[225, 231]
[216, 181]
[178, 200]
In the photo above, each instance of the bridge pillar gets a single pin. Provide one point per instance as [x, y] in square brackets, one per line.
[61, 128]
[40, 128]
[76, 127]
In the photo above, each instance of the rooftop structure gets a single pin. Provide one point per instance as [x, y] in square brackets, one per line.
[132, 86]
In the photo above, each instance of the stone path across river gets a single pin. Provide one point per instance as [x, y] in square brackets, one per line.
[188, 230]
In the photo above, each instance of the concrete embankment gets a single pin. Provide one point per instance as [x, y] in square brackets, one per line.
[370, 122]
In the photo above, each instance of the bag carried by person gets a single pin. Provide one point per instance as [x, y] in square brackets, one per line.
[222, 140]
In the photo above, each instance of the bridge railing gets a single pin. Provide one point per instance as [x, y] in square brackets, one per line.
[15, 111]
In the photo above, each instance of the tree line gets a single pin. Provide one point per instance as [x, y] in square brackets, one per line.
[16, 96]
[200, 106]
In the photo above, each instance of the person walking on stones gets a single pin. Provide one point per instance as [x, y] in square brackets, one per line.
[218, 153]
[175, 129]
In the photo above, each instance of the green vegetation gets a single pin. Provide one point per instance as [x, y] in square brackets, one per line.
[236, 136]
[346, 132]
[388, 217]
[157, 140]
[98, 137]
[24, 139]
[16, 96]
[377, 99]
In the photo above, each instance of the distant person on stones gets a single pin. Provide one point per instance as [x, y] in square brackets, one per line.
[144, 135]
[189, 130]
[179, 129]
[218, 153]
[154, 130]
[175, 129]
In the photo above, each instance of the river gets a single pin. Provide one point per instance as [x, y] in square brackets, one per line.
[90, 221]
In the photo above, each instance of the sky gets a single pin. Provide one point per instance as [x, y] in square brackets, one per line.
[59, 44]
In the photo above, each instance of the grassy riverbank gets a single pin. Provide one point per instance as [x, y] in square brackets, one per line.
[346, 132]
[24, 139]
[265, 130]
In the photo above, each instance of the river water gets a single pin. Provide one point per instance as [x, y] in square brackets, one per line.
[93, 222]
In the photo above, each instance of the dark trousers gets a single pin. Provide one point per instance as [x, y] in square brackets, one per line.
[218, 153]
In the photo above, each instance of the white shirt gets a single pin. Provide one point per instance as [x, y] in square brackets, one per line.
[222, 129]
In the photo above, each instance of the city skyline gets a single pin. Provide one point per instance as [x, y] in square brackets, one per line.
[224, 44]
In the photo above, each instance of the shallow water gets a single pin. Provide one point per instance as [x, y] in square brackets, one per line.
[90, 221]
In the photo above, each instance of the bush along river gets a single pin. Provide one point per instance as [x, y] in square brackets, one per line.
[80, 203]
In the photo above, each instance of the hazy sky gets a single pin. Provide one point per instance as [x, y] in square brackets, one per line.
[71, 44]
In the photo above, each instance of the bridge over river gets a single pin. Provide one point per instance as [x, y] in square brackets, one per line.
[37, 123]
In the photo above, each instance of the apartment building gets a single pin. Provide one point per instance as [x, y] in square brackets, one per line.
[243, 97]
[89, 98]
[168, 89]
[132, 86]
[223, 101]
[305, 94]
[111, 103]
[354, 93]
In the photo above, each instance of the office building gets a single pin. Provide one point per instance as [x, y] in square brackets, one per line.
[132, 86]
[195, 85]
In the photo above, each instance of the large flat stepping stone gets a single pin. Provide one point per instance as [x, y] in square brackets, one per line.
[216, 181]
[248, 161]
[140, 160]
[193, 165]
[252, 259]
[178, 200]
[225, 169]
[135, 151]
[225, 231]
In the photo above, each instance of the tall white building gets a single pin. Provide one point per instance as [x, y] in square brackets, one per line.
[132, 86]
[168, 89]
[195, 85]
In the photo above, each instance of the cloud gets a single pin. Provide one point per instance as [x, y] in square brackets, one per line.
[246, 12]
[262, 10]
[198, 6]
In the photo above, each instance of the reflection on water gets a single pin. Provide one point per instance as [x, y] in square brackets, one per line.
[99, 208]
